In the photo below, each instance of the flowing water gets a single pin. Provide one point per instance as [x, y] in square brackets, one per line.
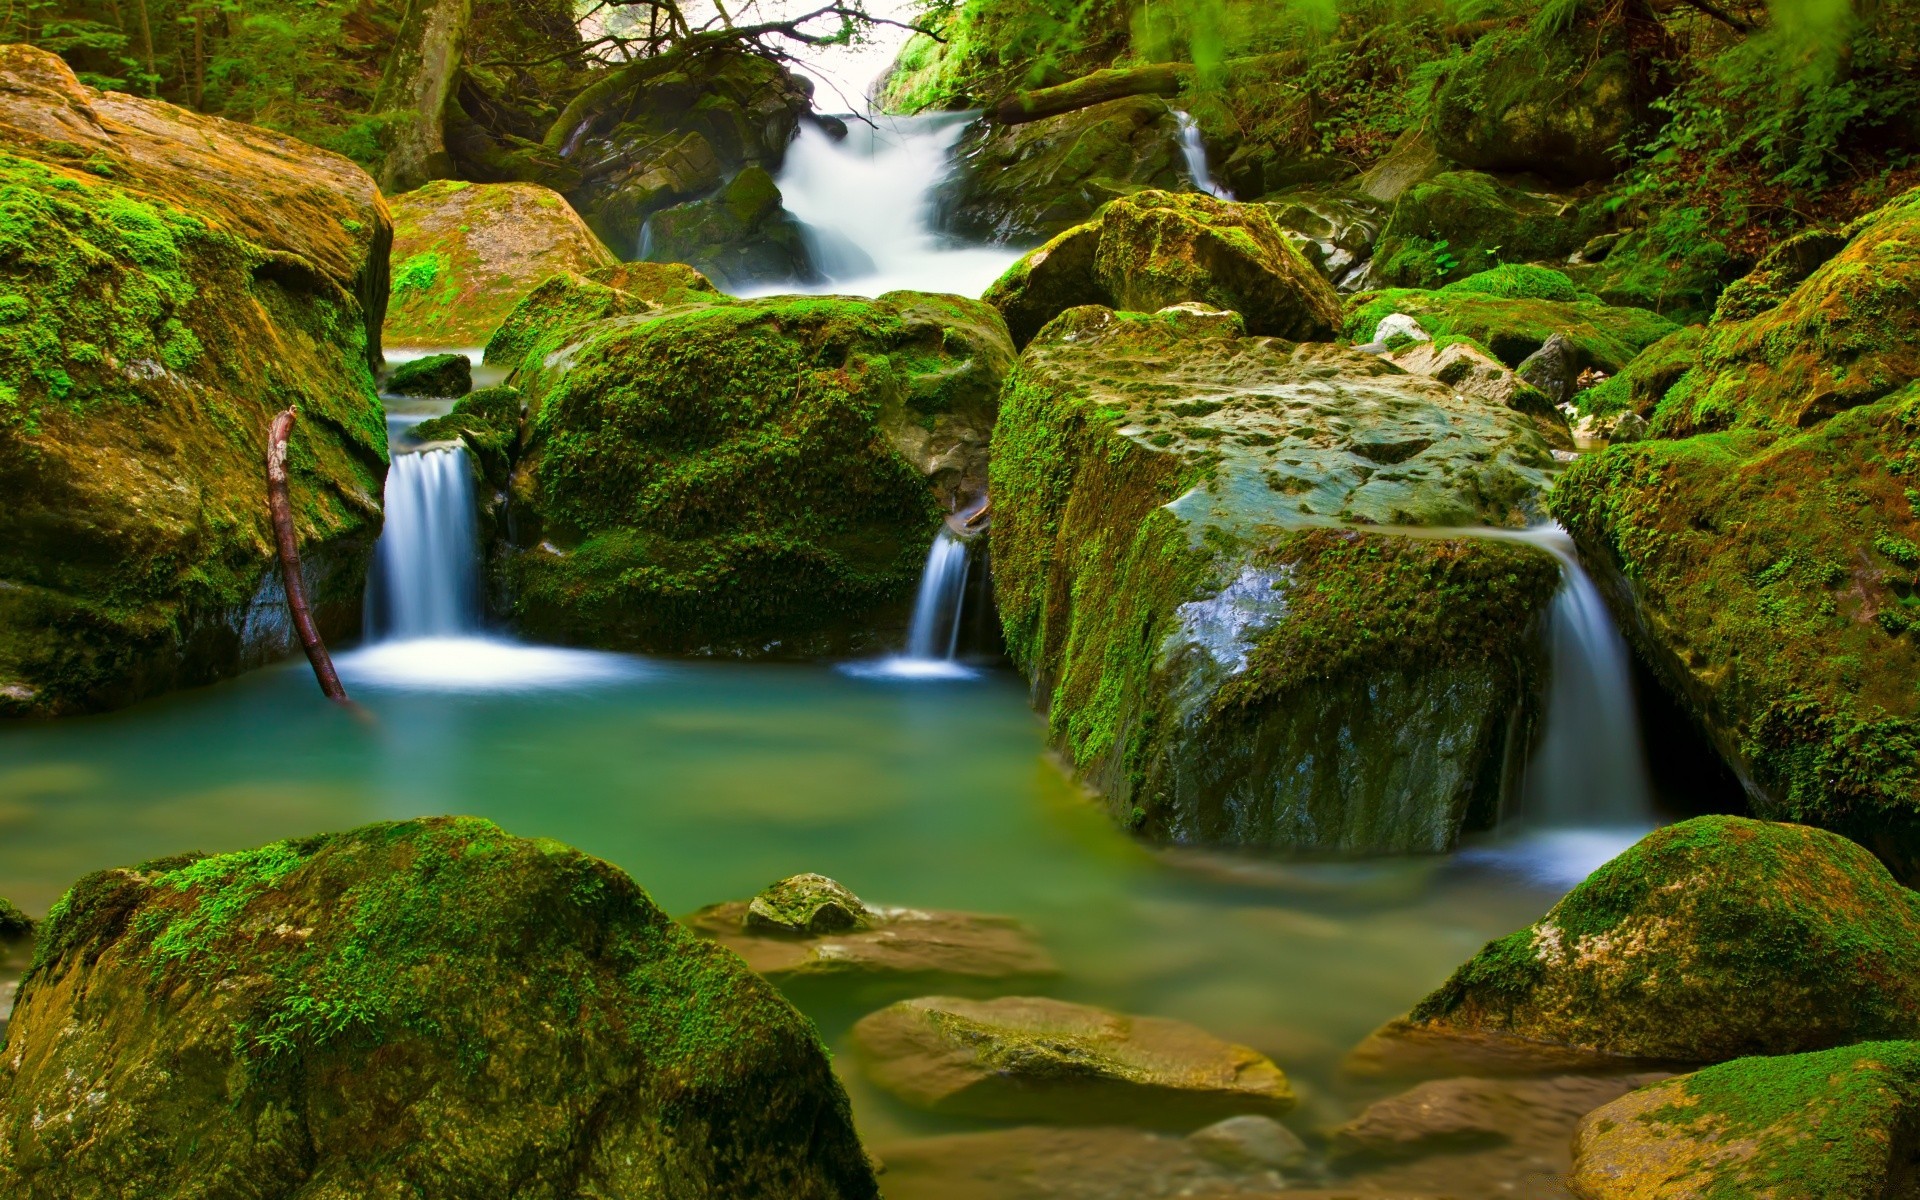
[933, 636]
[1195, 152]
[867, 202]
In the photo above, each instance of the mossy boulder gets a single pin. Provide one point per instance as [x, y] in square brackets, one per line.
[1512, 327]
[432, 1005]
[1459, 223]
[1035, 1059]
[1838, 1124]
[14, 924]
[741, 236]
[1157, 249]
[1022, 184]
[1707, 940]
[682, 126]
[438, 375]
[1557, 102]
[806, 904]
[745, 474]
[540, 323]
[1187, 576]
[465, 253]
[172, 281]
[488, 421]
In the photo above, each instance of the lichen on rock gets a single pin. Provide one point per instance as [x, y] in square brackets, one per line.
[1225, 647]
[430, 1004]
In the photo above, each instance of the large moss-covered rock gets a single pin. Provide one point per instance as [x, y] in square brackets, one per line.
[1027, 183]
[1768, 565]
[741, 236]
[1511, 312]
[1710, 939]
[1563, 103]
[171, 281]
[1839, 1124]
[1459, 223]
[434, 1006]
[744, 474]
[538, 325]
[679, 128]
[1036, 1059]
[1186, 574]
[465, 253]
[1157, 249]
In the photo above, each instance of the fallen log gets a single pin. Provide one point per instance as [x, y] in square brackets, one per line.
[1160, 79]
[281, 506]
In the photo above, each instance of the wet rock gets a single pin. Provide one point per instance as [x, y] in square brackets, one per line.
[1838, 1123]
[414, 1004]
[1411, 160]
[1554, 368]
[1775, 604]
[888, 948]
[731, 476]
[1471, 371]
[806, 905]
[440, 375]
[1052, 1163]
[1250, 1142]
[164, 267]
[1453, 1116]
[1154, 250]
[1244, 660]
[739, 237]
[1025, 183]
[1334, 229]
[1032, 1058]
[1659, 954]
[1629, 427]
[1460, 223]
[465, 253]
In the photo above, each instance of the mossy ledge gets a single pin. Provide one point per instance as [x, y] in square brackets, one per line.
[433, 1005]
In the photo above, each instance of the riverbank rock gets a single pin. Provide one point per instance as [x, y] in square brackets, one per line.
[1659, 954]
[748, 476]
[430, 1004]
[812, 929]
[1189, 576]
[1031, 1058]
[1835, 1124]
[173, 280]
[465, 253]
[741, 236]
[1155, 249]
[1762, 548]
[437, 375]
[1022, 184]
[1460, 223]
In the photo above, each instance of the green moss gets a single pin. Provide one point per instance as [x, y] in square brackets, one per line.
[1640, 385]
[1513, 327]
[420, 273]
[1517, 281]
[1463, 223]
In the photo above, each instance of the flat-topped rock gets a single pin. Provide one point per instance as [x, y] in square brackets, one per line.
[809, 927]
[1445, 1116]
[1033, 1058]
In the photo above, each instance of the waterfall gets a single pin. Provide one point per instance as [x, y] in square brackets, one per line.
[1196, 153]
[426, 579]
[933, 637]
[867, 203]
[1590, 768]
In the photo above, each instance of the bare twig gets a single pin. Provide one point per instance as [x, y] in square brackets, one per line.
[281, 507]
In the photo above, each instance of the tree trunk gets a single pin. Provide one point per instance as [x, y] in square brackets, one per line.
[418, 89]
[1160, 79]
[281, 506]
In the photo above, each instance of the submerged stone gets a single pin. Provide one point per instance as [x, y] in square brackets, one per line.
[1156, 249]
[1031, 1058]
[465, 253]
[173, 280]
[1452, 1116]
[1191, 574]
[440, 375]
[1661, 953]
[1839, 1124]
[742, 476]
[431, 1005]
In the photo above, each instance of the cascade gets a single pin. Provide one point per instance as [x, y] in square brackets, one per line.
[1196, 154]
[1590, 768]
[935, 632]
[426, 581]
[867, 203]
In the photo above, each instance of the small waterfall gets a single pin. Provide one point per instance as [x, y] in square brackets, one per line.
[935, 632]
[1196, 152]
[426, 577]
[1590, 768]
[867, 204]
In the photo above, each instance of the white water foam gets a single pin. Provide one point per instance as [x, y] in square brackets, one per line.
[933, 639]
[867, 202]
[1558, 858]
[1195, 152]
[483, 664]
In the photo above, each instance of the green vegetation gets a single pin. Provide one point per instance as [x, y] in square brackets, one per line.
[1502, 313]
